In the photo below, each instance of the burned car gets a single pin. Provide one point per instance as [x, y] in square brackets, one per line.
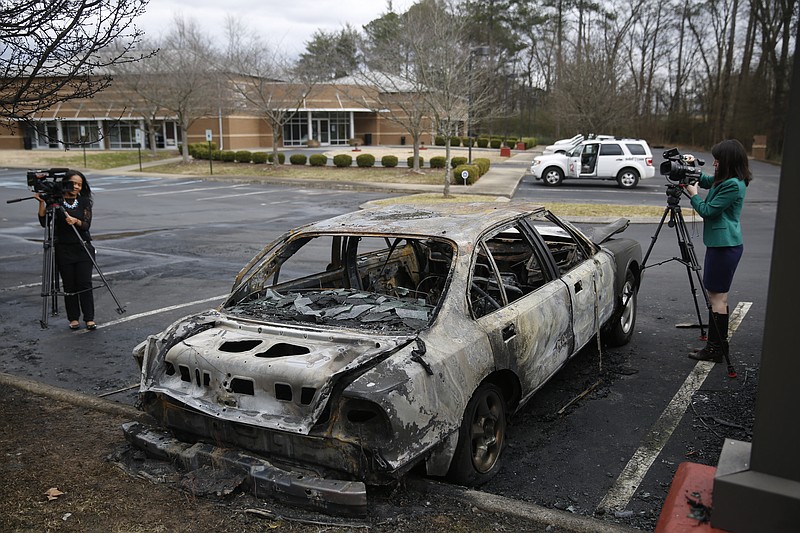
[354, 349]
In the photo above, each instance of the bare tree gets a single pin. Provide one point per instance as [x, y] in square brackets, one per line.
[181, 80]
[51, 52]
[266, 79]
[442, 63]
[387, 82]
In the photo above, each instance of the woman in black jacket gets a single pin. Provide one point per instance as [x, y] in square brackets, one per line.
[73, 261]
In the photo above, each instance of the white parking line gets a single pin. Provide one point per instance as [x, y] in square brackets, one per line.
[155, 312]
[196, 189]
[628, 482]
[39, 283]
[235, 195]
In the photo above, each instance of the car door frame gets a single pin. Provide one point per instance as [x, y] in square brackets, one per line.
[516, 331]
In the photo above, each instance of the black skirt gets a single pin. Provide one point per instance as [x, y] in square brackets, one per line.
[720, 266]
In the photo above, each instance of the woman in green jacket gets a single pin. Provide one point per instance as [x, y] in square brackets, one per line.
[722, 235]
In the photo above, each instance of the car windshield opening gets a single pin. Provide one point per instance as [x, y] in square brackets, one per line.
[389, 283]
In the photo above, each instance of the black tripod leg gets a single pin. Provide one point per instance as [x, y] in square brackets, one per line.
[49, 272]
[654, 238]
[689, 259]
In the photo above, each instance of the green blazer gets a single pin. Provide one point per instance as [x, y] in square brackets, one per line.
[720, 211]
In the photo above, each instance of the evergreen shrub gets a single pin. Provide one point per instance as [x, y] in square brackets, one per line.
[389, 161]
[342, 160]
[318, 160]
[365, 160]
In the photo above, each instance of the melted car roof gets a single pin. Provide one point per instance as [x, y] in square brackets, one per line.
[459, 221]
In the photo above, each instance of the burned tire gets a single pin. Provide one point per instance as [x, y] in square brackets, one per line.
[619, 329]
[553, 176]
[481, 438]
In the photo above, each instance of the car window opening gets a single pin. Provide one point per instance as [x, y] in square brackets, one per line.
[393, 284]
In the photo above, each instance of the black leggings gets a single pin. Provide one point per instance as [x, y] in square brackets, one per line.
[77, 278]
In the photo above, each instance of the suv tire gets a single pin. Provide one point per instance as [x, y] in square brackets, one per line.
[628, 178]
[553, 176]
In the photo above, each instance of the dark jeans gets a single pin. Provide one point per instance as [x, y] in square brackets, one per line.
[76, 277]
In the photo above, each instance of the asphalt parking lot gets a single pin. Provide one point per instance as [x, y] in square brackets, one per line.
[172, 247]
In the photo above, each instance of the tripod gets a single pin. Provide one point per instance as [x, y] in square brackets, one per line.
[688, 257]
[50, 287]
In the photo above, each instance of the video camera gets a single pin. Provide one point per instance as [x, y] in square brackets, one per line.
[50, 184]
[681, 168]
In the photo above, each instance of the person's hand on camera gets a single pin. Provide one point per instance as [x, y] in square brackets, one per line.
[71, 220]
[691, 189]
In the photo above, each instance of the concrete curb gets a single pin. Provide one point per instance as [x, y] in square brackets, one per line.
[71, 397]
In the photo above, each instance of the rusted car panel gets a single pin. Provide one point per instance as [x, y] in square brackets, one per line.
[355, 348]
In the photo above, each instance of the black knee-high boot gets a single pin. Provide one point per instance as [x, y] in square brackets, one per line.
[717, 345]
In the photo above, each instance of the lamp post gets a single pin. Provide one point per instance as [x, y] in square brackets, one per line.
[477, 51]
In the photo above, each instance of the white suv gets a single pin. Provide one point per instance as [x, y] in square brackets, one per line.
[624, 160]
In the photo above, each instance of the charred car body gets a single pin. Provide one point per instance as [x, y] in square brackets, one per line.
[358, 347]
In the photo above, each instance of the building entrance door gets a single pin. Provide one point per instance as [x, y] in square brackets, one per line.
[319, 130]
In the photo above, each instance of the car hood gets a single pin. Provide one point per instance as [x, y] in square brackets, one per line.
[551, 157]
[600, 233]
[265, 375]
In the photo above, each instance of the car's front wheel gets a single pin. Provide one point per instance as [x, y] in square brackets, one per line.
[619, 329]
[481, 438]
[628, 178]
[552, 176]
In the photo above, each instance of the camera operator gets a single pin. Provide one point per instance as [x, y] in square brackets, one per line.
[74, 264]
[722, 235]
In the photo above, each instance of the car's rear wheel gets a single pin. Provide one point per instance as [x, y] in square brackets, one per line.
[628, 178]
[619, 329]
[553, 176]
[481, 438]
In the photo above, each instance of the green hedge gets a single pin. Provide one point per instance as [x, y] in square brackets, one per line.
[474, 174]
[227, 156]
[365, 160]
[259, 158]
[438, 161]
[482, 142]
[495, 143]
[243, 156]
[483, 164]
[389, 161]
[410, 162]
[298, 159]
[439, 140]
[343, 160]
[281, 157]
[455, 161]
[318, 160]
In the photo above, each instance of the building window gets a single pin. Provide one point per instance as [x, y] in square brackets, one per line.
[295, 132]
[327, 127]
[80, 133]
[122, 135]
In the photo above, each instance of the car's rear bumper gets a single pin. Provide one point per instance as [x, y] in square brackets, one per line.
[337, 497]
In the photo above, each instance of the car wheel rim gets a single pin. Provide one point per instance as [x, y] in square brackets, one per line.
[628, 179]
[552, 178]
[628, 312]
[487, 431]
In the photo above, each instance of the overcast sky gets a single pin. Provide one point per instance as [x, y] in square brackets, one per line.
[287, 24]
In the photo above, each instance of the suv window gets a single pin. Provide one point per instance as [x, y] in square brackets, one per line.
[636, 149]
[610, 149]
